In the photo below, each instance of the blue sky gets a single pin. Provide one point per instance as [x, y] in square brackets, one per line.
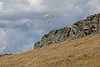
[22, 22]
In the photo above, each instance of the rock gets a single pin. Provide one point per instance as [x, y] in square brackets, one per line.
[79, 29]
[85, 27]
[53, 37]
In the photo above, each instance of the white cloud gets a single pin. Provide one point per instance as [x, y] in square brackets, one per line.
[36, 5]
[1, 5]
[8, 8]
[27, 47]
[2, 39]
[2, 35]
[94, 6]
[3, 48]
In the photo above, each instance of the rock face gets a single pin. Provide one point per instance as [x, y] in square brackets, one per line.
[53, 37]
[79, 29]
[85, 27]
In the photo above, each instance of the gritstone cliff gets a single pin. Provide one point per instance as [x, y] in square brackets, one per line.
[79, 29]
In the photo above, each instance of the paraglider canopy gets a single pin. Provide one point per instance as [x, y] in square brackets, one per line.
[49, 15]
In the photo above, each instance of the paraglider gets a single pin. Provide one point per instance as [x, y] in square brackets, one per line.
[49, 15]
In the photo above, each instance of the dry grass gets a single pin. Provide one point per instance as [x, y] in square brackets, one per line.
[66, 54]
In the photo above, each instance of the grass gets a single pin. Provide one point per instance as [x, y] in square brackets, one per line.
[77, 44]
[73, 64]
[76, 63]
[59, 55]
[88, 58]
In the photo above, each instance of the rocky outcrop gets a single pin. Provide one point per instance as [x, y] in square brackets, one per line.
[79, 29]
[53, 37]
[85, 27]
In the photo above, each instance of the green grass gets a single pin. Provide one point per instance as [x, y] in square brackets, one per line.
[87, 58]
[73, 64]
[81, 59]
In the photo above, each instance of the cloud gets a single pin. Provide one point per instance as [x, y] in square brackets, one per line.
[10, 8]
[36, 5]
[27, 47]
[3, 48]
[2, 38]
[2, 35]
[94, 6]
[1, 4]
[18, 37]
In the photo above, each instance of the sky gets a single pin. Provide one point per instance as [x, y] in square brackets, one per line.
[23, 22]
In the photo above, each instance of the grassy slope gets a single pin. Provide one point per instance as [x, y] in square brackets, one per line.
[67, 54]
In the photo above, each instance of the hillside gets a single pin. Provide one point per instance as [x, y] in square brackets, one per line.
[81, 52]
